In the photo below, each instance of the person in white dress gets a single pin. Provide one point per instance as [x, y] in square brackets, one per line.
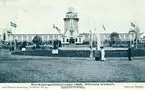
[102, 54]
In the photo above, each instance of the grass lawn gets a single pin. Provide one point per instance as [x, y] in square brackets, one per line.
[71, 71]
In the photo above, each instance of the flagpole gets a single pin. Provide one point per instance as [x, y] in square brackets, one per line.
[91, 48]
[11, 35]
[98, 41]
[103, 37]
[13, 25]
[17, 17]
[136, 43]
[135, 28]
[15, 38]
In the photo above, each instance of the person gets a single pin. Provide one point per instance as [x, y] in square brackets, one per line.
[102, 53]
[13, 46]
[10, 46]
[34, 46]
[55, 44]
[129, 53]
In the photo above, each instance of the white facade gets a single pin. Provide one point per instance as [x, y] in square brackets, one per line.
[71, 32]
[46, 37]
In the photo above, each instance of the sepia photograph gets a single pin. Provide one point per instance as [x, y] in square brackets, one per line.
[72, 41]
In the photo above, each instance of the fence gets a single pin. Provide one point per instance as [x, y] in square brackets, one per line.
[80, 53]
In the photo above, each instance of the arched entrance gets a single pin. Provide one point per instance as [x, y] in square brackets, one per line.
[72, 40]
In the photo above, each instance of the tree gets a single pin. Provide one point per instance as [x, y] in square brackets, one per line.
[37, 41]
[56, 44]
[24, 44]
[60, 44]
[114, 36]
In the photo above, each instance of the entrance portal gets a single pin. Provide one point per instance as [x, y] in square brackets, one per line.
[72, 40]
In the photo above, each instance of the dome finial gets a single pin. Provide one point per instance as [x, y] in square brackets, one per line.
[71, 9]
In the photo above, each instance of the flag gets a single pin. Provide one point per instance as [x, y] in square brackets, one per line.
[13, 24]
[56, 28]
[9, 32]
[141, 33]
[132, 24]
[90, 31]
[104, 27]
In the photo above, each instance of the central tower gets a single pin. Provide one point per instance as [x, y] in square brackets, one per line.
[71, 32]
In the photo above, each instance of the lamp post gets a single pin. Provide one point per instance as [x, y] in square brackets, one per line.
[92, 39]
[97, 34]
[132, 37]
[14, 29]
[15, 46]
[91, 46]
[15, 26]
[97, 37]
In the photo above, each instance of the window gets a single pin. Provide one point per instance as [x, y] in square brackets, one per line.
[25, 37]
[79, 39]
[86, 37]
[4, 36]
[76, 39]
[45, 38]
[104, 36]
[56, 36]
[41, 37]
[63, 39]
[124, 37]
[30, 38]
[71, 34]
[22, 38]
[50, 37]
[120, 36]
[67, 40]
[16, 37]
[19, 38]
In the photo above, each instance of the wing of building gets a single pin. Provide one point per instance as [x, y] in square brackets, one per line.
[70, 35]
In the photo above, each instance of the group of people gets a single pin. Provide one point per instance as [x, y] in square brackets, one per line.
[129, 53]
[11, 47]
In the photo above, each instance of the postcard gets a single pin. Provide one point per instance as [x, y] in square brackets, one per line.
[72, 44]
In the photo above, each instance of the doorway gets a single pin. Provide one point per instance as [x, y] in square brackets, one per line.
[72, 40]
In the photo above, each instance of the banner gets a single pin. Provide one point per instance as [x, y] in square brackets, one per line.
[104, 27]
[56, 28]
[55, 51]
[13, 24]
[132, 24]
[9, 32]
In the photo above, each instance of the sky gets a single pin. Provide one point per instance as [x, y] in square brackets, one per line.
[38, 16]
